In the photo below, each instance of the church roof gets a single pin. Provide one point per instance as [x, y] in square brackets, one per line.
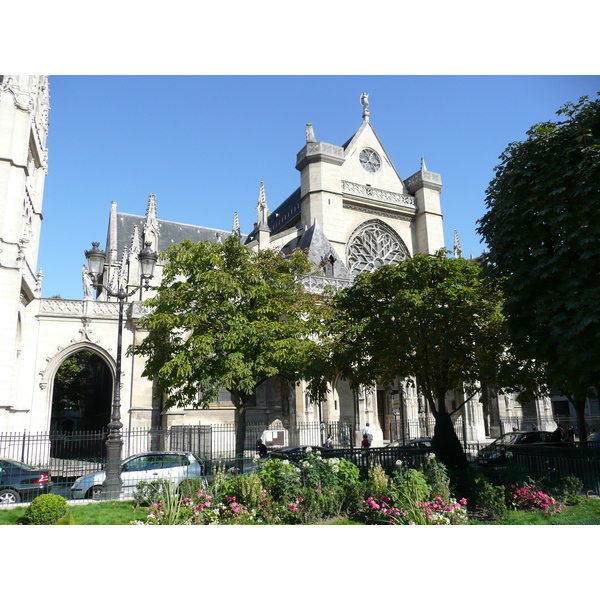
[171, 232]
[319, 249]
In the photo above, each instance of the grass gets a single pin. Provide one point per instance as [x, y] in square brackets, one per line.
[94, 513]
[586, 513]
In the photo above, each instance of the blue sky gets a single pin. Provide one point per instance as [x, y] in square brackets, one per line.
[202, 144]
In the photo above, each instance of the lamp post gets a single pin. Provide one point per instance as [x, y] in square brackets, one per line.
[114, 443]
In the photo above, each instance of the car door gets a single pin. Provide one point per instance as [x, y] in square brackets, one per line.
[139, 468]
[175, 468]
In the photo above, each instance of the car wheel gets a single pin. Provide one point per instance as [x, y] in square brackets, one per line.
[9, 497]
[94, 493]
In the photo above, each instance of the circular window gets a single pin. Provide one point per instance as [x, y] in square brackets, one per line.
[370, 160]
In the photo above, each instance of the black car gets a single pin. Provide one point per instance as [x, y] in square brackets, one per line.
[296, 452]
[21, 483]
[495, 453]
[418, 443]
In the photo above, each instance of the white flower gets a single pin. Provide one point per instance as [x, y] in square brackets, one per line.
[398, 463]
[308, 449]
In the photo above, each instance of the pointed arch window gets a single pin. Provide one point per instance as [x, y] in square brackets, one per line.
[373, 244]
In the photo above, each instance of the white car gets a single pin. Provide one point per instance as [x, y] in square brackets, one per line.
[149, 466]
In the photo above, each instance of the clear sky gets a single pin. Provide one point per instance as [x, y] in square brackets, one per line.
[202, 144]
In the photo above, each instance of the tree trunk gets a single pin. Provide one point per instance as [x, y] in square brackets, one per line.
[446, 445]
[240, 424]
[579, 405]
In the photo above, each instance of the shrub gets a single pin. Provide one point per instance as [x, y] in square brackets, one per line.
[567, 489]
[150, 492]
[410, 494]
[247, 489]
[281, 479]
[528, 497]
[348, 473]
[189, 488]
[46, 509]
[490, 500]
[436, 476]
[377, 482]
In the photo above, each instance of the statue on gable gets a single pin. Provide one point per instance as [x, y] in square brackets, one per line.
[87, 283]
[364, 100]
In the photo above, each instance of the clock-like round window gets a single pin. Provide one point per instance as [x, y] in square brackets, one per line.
[370, 160]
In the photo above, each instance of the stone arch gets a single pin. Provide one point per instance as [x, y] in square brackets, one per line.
[56, 361]
[373, 244]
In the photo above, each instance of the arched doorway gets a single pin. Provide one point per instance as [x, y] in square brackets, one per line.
[81, 406]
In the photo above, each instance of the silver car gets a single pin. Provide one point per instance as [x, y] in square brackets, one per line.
[149, 466]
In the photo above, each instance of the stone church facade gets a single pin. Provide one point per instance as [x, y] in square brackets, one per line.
[352, 212]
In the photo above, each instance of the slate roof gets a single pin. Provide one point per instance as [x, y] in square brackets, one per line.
[319, 247]
[170, 232]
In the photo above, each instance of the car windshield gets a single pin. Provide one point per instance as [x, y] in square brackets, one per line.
[507, 438]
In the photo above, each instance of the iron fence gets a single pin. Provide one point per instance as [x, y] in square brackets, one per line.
[574, 460]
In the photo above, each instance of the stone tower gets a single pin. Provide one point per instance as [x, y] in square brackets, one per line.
[24, 105]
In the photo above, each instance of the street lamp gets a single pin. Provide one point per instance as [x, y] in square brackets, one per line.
[114, 443]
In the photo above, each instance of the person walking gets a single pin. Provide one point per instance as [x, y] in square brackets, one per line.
[261, 449]
[367, 431]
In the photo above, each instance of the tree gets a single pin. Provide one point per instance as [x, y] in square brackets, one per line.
[431, 318]
[542, 228]
[227, 317]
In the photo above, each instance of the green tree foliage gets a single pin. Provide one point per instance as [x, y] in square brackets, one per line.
[542, 228]
[431, 318]
[227, 317]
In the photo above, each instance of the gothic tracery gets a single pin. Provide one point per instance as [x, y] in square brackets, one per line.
[372, 245]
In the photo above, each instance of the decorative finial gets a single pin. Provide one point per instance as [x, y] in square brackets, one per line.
[423, 167]
[310, 134]
[235, 230]
[457, 246]
[262, 198]
[364, 100]
[151, 209]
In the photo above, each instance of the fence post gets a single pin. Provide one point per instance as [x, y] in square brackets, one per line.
[23, 446]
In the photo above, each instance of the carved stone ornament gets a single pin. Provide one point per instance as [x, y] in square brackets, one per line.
[372, 245]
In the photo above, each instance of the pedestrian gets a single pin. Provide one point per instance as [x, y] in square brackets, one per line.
[367, 431]
[329, 441]
[261, 449]
[570, 434]
[558, 434]
[366, 443]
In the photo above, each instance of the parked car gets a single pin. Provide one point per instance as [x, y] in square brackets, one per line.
[295, 452]
[21, 483]
[418, 443]
[495, 453]
[595, 438]
[417, 449]
[148, 466]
